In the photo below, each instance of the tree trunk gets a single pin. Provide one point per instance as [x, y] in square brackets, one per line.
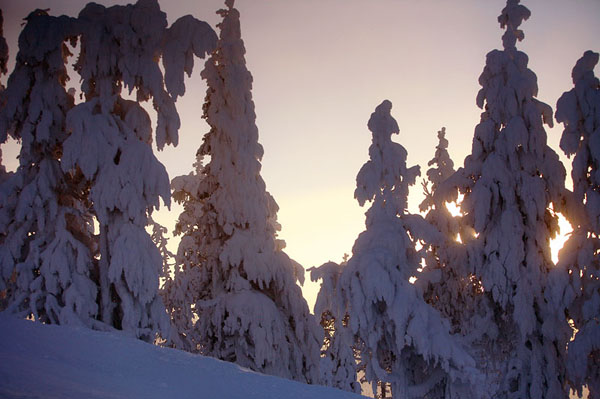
[106, 305]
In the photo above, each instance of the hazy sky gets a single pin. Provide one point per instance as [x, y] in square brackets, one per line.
[321, 67]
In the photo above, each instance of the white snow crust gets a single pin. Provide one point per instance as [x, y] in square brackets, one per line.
[405, 342]
[52, 362]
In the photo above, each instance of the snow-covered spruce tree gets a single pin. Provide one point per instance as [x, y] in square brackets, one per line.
[120, 48]
[579, 263]
[180, 290]
[405, 341]
[234, 292]
[338, 364]
[511, 181]
[446, 282]
[46, 254]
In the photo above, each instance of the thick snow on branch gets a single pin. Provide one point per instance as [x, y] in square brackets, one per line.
[186, 38]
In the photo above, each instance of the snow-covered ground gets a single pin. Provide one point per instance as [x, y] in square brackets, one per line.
[48, 361]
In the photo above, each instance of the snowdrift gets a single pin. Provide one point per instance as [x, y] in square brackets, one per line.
[49, 361]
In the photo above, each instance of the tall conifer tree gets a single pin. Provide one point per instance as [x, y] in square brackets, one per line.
[234, 294]
[405, 343]
[579, 264]
[511, 181]
[46, 254]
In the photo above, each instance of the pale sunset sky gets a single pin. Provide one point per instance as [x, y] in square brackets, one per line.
[320, 68]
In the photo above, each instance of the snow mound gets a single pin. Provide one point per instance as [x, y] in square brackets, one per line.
[50, 361]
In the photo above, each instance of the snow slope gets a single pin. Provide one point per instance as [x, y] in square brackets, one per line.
[48, 361]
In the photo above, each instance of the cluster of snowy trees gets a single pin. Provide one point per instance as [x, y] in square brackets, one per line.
[430, 305]
[90, 162]
[75, 246]
[489, 315]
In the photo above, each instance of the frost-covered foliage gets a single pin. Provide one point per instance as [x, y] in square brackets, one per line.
[510, 182]
[120, 48]
[444, 169]
[159, 238]
[46, 254]
[446, 281]
[579, 265]
[338, 364]
[234, 294]
[438, 214]
[405, 341]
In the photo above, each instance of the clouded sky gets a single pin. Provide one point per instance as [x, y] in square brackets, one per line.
[321, 67]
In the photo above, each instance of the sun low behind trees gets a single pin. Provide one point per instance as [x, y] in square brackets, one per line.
[432, 305]
[510, 183]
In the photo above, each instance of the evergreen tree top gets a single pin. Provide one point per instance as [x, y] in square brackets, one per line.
[584, 69]
[511, 18]
[445, 165]
[385, 179]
